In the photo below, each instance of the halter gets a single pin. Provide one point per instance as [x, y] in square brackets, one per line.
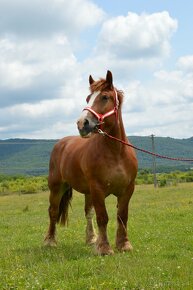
[101, 117]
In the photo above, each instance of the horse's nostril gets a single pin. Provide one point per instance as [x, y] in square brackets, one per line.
[86, 122]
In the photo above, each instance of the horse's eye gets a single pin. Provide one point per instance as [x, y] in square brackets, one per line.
[105, 97]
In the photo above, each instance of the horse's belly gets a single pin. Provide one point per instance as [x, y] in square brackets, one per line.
[73, 175]
[76, 181]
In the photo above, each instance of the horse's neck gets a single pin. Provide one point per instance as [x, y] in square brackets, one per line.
[117, 131]
[122, 129]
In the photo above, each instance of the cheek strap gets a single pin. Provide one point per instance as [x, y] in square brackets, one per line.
[101, 117]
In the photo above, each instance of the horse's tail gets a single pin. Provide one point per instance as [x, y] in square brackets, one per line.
[64, 205]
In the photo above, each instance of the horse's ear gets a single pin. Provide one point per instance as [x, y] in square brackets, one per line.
[91, 81]
[109, 78]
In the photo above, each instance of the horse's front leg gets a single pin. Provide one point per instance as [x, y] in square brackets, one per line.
[122, 242]
[89, 213]
[102, 243]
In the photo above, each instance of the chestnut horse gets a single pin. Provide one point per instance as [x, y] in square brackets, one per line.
[95, 166]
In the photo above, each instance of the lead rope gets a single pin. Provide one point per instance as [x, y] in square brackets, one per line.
[142, 150]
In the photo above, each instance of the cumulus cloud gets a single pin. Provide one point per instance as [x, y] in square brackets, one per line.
[132, 43]
[137, 36]
[44, 82]
[39, 72]
[42, 18]
[34, 69]
[162, 106]
[43, 116]
[36, 47]
[186, 63]
[178, 86]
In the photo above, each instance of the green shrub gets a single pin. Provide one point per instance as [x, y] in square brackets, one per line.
[162, 183]
[23, 184]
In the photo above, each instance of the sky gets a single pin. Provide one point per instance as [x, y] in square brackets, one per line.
[48, 49]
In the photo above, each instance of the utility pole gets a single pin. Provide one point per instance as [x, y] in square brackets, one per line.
[154, 161]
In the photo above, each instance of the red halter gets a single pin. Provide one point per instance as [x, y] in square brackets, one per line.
[101, 117]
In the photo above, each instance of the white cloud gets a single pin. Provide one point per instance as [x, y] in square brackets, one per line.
[45, 116]
[162, 106]
[175, 86]
[137, 36]
[36, 47]
[44, 84]
[186, 63]
[40, 18]
[15, 75]
[32, 70]
[131, 44]
[49, 118]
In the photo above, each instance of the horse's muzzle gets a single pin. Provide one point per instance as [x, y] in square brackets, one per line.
[86, 127]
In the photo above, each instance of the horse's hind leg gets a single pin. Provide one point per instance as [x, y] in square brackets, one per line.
[122, 242]
[60, 197]
[55, 198]
[89, 213]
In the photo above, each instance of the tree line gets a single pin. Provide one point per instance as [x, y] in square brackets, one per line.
[34, 184]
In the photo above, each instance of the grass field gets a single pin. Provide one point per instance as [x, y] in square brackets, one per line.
[160, 230]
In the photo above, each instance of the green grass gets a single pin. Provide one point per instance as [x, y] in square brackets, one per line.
[160, 230]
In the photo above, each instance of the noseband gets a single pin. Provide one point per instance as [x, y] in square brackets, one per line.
[101, 117]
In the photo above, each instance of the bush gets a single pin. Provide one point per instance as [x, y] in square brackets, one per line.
[23, 184]
[162, 183]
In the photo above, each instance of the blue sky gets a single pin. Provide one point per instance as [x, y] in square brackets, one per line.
[49, 47]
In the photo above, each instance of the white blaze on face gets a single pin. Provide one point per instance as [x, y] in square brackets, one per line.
[92, 98]
[90, 104]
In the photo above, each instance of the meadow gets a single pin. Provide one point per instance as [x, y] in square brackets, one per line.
[160, 230]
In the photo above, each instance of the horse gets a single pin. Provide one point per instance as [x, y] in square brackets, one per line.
[95, 166]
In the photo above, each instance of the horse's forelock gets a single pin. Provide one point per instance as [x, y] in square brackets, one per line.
[102, 85]
[98, 86]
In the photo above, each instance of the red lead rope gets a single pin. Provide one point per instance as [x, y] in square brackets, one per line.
[142, 150]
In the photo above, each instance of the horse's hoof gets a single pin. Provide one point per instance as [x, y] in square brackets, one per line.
[50, 242]
[125, 247]
[104, 250]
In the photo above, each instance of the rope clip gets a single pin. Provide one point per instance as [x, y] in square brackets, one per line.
[101, 132]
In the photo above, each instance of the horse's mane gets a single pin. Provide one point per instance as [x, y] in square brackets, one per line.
[102, 85]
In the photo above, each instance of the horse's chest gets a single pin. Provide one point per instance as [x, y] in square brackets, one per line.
[116, 179]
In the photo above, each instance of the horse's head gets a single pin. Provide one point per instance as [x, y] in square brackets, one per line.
[102, 106]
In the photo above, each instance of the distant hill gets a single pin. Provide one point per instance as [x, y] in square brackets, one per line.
[179, 148]
[31, 157]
